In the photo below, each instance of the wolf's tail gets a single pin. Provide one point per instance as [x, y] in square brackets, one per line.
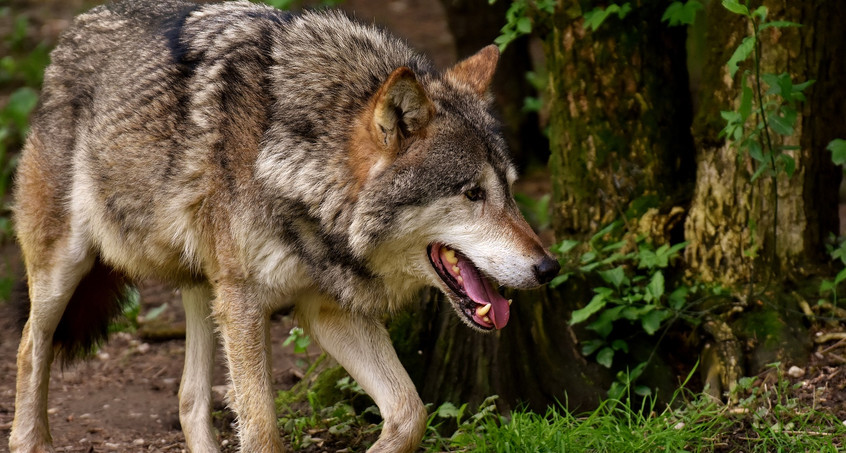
[99, 298]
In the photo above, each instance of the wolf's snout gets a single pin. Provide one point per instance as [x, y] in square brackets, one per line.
[546, 270]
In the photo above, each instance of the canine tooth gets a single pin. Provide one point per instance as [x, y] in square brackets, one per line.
[486, 319]
[483, 310]
[456, 270]
[450, 256]
[509, 302]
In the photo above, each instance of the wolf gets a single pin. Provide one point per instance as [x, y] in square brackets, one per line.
[258, 159]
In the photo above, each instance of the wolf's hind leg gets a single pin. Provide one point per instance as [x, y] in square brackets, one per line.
[195, 387]
[363, 347]
[50, 290]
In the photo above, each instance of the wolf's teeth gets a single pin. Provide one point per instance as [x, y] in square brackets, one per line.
[486, 319]
[456, 270]
[459, 279]
[450, 256]
[509, 302]
[483, 310]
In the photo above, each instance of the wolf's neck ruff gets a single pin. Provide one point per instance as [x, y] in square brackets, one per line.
[484, 305]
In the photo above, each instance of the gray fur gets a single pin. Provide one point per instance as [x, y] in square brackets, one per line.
[229, 149]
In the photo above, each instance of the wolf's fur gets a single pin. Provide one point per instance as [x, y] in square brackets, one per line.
[255, 159]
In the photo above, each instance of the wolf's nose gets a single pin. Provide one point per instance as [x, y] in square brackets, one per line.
[547, 269]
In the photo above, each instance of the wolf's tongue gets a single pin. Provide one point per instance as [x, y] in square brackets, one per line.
[480, 290]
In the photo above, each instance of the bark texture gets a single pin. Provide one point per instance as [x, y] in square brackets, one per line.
[620, 117]
[730, 223]
[730, 214]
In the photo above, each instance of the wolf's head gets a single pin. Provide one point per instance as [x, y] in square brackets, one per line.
[436, 191]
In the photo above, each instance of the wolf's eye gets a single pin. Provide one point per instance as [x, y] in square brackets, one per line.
[475, 194]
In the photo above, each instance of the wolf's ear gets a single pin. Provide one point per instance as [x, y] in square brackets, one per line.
[402, 108]
[476, 71]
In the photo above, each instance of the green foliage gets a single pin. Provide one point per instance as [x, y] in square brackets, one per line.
[676, 14]
[759, 112]
[766, 419]
[679, 13]
[836, 245]
[633, 287]
[520, 18]
[595, 17]
[301, 342]
[131, 311]
[468, 430]
[307, 417]
[838, 151]
[21, 72]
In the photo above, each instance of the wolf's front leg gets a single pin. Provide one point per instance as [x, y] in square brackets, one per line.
[243, 324]
[362, 346]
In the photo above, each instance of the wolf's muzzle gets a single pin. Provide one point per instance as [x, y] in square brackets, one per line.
[546, 270]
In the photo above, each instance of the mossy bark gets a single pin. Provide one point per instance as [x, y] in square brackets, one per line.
[729, 227]
[620, 117]
[730, 223]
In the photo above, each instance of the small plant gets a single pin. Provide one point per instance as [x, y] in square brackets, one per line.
[837, 245]
[634, 289]
[301, 342]
[519, 19]
[308, 418]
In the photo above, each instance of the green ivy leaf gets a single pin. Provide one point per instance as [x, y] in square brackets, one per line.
[745, 102]
[447, 410]
[788, 163]
[565, 246]
[524, 25]
[781, 125]
[605, 357]
[604, 323]
[655, 289]
[838, 151]
[681, 14]
[590, 346]
[615, 276]
[620, 345]
[595, 17]
[735, 7]
[651, 322]
[596, 303]
[741, 53]
[560, 280]
[760, 12]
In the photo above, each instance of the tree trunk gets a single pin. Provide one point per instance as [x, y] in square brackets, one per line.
[620, 117]
[475, 24]
[533, 361]
[732, 242]
[730, 214]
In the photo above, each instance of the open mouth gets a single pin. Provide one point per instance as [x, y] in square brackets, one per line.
[478, 300]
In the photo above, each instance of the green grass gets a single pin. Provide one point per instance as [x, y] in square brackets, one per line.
[762, 418]
[765, 421]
